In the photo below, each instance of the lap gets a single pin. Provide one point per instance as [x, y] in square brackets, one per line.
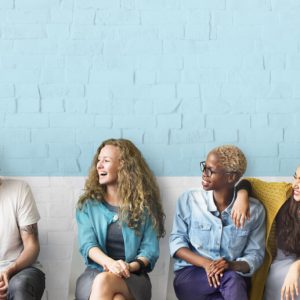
[191, 283]
[29, 280]
[138, 285]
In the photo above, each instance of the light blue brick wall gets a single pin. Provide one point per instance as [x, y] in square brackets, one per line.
[177, 77]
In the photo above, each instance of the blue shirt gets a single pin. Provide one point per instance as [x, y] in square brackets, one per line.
[199, 226]
[93, 220]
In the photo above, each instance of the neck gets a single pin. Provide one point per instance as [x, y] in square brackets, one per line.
[222, 198]
[111, 196]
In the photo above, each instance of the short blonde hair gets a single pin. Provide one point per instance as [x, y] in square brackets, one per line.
[231, 158]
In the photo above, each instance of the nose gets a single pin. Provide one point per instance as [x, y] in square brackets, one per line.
[296, 184]
[99, 164]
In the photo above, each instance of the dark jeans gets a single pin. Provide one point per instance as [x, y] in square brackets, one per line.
[191, 283]
[28, 284]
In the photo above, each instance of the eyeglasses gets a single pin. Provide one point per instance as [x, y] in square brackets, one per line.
[208, 171]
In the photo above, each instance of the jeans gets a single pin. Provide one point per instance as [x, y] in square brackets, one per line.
[28, 284]
[191, 283]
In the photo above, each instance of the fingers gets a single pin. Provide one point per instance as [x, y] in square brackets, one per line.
[297, 289]
[209, 281]
[282, 293]
[124, 268]
[242, 220]
[119, 268]
[248, 215]
[214, 281]
[235, 218]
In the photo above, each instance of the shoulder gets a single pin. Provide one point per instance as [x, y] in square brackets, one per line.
[256, 206]
[194, 194]
[14, 185]
[90, 205]
[16, 190]
[191, 199]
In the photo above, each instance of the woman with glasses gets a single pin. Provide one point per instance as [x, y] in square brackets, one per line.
[213, 258]
[120, 220]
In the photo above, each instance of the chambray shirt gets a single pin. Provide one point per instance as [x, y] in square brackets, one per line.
[93, 220]
[199, 226]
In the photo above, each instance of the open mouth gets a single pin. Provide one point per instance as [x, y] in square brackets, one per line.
[103, 173]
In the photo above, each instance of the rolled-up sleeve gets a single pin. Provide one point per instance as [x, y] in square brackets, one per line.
[149, 247]
[179, 235]
[86, 235]
[254, 252]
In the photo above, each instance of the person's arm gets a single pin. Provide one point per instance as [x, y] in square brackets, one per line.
[148, 251]
[118, 267]
[254, 252]
[90, 248]
[219, 266]
[241, 210]
[290, 285]
[179, 240]
[29, 254]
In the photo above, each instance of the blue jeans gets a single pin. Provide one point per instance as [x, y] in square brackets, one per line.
[28, 284]
[191, 283]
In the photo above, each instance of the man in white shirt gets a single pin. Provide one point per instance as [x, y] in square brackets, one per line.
[20, 274]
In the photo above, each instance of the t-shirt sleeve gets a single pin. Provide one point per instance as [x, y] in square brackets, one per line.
[27, 210]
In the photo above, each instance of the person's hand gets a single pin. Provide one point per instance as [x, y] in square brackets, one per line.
[3, 285]
[290, 285]
[218, 267]
[118, 267]
[241, 209]
[213, 279]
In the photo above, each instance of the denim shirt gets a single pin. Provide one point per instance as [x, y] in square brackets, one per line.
[199, 226]
[93, 220]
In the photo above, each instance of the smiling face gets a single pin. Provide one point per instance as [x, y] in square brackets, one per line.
[108, 165]
[218, 178]
[296, 185]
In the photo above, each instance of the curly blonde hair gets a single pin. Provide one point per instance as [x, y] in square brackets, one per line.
[231, 158]
[137, 187]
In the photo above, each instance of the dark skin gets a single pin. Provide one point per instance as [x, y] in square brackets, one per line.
[222, 184]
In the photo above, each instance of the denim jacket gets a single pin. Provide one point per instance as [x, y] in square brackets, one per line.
[93, 220]
[200, 227]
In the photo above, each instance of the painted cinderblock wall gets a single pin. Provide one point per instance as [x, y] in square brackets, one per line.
[175, 76]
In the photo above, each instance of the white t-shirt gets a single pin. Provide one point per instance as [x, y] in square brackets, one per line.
[17, 209]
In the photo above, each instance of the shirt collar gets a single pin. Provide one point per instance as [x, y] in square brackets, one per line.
[211, 206]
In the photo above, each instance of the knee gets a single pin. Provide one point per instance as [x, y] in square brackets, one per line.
[103, 282]
[18, 284]
[234, 279]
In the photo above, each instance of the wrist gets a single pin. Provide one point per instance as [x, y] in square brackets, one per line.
[138, 266]
[11, 270]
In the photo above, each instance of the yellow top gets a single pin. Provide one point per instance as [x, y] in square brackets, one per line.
[272, 195]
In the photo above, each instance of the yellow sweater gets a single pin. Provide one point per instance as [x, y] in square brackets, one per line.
[272, 195]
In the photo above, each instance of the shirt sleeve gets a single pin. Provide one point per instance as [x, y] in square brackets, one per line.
[179, 234]
[149, 247]
[86, 235]
[254, 252]
[27, 210]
